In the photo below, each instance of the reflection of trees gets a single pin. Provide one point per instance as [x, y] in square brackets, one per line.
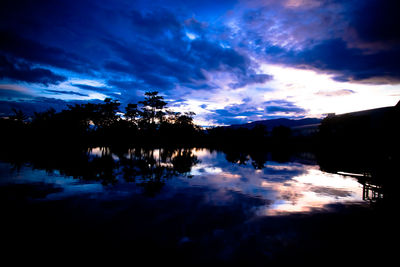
[183, 161]
[256, 157]
[237, 157]
[259, 158]
[103, 169]
[149, 168]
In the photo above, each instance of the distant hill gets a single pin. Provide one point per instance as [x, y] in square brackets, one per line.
[270, 124]
[359, 125]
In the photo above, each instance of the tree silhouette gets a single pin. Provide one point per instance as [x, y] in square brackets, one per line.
[132, 113]
[18, 116]
[153, 108]
[105, 114]
[185, 119]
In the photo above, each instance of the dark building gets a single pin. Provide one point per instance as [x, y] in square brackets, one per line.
[367, 128]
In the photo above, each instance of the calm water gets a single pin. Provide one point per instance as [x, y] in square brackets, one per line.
[195, 205]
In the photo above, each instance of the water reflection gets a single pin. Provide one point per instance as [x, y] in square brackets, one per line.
[192, 205]
[297, 185]
[286, 187]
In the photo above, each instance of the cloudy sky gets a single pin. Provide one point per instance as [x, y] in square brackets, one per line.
[231, 61]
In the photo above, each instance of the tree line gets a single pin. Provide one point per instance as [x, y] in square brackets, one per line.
[152, 122]
[149, 120]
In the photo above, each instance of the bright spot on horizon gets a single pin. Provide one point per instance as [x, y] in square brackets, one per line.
[307, 88]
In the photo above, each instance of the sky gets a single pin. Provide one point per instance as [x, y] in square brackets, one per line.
[229, 61]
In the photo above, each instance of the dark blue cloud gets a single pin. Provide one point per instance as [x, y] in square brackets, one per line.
[358, 41]
[65, 92]
[236, 113]
[155, 23]
[232, 112]
[36, 104]
[146, 43]
[22, 71]
[121, 85]
[282, 106]
[178, 61]
[32, 51]
[196, 27]
[221, 120]
[252, 79]
[148, 66]
[212, 56]
[91, 88]
[348, 64]
[11, 94]
[376, 20]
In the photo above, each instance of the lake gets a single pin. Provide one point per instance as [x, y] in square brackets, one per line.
[191, 206]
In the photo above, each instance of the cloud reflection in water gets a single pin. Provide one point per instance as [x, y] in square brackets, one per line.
[266, 188]
[285, 187]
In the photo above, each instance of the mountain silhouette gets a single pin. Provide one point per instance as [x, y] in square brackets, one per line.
[270, 124]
